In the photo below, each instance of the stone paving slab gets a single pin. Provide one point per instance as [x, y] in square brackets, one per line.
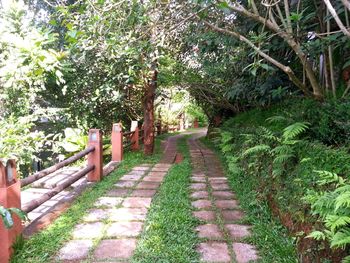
[199, 195]
[217, 211]
[137, 202]
[118, 192]
[127, 214]
[223, 195]
[232, 215]
[143, 193]
[153, 179]
[238, 231]
[226, 204]
[96, 215]
[88, 230]
[126, 184]
[205, 215]
[198, 186]
[214, 252]
[124, 229]
[108, 202]
[115, 249]
[75, 250]
[202, 204]
[131, 177]
[148, 185]
[209, 231]
[245, 253]
[197, 179]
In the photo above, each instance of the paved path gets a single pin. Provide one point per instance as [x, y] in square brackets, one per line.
[218, 210]
[109, 231]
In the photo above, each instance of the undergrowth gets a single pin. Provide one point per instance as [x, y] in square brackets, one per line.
[282, 155]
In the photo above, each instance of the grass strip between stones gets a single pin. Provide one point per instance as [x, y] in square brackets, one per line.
[43, 245]
[169, 231]
[268, 235]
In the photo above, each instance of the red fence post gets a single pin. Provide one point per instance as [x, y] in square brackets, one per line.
[95, 157]
[195, 123]
[159, 127]
[135, 144]
[10, 196]
[117, 142]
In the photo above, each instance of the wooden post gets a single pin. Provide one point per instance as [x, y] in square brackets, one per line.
[95, 157]
[135, 146]
[159, 127]
[10, 196]
[195, 123]
[117, 142]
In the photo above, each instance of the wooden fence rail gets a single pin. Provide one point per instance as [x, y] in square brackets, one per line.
[32, 178]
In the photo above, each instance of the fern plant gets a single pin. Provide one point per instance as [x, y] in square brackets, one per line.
[332, 206]
[280, 148]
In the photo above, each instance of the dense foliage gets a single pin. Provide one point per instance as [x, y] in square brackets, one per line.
[70, 65]
[286, 159]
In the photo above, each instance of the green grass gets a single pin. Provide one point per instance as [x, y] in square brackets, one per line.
[169, 232]
[43, 245]
[269, 236]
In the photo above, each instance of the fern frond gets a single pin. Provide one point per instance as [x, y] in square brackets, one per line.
[343, 200]
[276, 118]
[226, 137]
[282, 149]
[295, 129]
[329, 178]
[265, 133]
[346, 259]
[336, 221]
[341, 238]
[282, 158]
[318, 235]
[261, 148]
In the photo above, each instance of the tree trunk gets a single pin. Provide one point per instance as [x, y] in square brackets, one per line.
[148, 109]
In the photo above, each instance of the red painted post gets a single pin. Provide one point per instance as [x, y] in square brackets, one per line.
[10, 196]
[159, 127]
[135, 146]
[195, 123]
[117, 142]
[95, 157]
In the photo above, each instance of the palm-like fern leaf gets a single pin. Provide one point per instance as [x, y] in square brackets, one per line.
[261, 148]
[292, 131]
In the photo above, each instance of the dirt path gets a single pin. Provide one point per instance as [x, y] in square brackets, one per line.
[218, 210]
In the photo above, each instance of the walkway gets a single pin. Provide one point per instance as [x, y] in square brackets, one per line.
[218, 211]
[110, 231]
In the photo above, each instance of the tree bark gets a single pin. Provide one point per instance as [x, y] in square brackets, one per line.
[148, 109]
